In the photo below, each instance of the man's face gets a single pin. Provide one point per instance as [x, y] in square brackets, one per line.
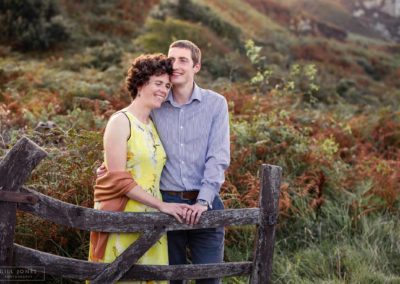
[183, 67]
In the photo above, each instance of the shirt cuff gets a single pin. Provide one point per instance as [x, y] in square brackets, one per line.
[207, 194]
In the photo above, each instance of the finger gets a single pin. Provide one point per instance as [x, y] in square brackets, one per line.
[187, 206]
[177, 217]
[189, 214]
[193, 217]
[198, 217]
[181, 212]
[185, 212]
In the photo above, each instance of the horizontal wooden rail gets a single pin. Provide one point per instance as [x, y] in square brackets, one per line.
[82, 270]
[96, 220]
[25, 155]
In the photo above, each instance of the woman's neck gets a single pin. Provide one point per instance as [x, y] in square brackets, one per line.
[139, 111]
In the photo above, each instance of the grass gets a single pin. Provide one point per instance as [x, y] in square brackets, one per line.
[253, 23]
[339, 196]
[367, 256]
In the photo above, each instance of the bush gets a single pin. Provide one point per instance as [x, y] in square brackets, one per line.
[218, 59]
[195, 13]
[32, 24]
[68, 175]
[100, 57]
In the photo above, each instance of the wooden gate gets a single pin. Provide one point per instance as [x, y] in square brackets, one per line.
[16, 167]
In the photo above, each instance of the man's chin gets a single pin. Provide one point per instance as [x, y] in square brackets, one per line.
[177, 82]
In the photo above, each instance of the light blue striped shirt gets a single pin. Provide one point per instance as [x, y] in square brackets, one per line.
[195, 137]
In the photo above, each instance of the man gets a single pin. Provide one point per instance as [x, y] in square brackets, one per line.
[193, 125]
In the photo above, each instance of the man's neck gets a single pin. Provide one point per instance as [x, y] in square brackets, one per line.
[182, 93]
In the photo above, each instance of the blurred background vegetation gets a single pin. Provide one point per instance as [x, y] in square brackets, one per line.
[313, 86]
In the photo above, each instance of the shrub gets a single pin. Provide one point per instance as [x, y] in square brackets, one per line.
[68, 175]
[104, 56]
[195, 13]
[31, 25]
[160, 34]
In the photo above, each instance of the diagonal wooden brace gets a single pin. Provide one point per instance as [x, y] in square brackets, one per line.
[115, 270]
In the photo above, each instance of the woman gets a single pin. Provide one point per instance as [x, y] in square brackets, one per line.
[134, 158]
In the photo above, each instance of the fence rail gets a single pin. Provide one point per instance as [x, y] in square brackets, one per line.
[16, 167]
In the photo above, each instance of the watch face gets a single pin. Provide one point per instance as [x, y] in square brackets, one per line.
[202, 202]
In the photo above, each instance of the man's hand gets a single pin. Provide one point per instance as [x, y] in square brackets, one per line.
[193, 216]
[101, 171]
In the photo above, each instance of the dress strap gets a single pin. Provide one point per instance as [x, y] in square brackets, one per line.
[130, 126]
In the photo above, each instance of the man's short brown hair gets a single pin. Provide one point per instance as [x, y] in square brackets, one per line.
[194, 49]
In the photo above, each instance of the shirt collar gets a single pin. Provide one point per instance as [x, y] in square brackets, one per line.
[196, 95]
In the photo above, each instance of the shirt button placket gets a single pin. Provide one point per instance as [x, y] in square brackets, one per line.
[181, 145]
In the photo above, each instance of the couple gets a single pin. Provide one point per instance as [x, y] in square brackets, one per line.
[166, 151]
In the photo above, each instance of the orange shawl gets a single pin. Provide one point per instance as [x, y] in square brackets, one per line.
[110, 190]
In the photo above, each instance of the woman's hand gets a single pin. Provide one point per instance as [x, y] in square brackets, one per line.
[178, 210]
[101, 171]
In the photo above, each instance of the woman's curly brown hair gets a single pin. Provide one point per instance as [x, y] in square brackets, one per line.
[145, 66]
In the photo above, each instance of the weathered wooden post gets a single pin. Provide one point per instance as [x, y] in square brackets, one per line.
[265, 238]
[25, 156]
[15, 168]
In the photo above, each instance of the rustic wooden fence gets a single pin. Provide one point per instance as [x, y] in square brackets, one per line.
[16, 167]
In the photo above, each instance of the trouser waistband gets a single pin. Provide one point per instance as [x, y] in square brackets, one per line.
[189, 195]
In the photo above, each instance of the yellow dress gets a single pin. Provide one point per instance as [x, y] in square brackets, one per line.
[145, 160]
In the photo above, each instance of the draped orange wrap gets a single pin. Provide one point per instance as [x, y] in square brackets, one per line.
[110, 190]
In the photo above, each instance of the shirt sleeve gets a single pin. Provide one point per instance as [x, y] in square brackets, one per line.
[218, 154]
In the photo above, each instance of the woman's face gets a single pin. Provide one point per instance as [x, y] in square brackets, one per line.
[155, 92]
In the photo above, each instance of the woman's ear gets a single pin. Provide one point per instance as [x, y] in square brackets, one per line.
[139, 89]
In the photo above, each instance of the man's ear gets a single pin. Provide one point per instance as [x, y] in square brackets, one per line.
[197, 67]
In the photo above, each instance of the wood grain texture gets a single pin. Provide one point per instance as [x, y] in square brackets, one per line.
[265, 238]
[82, 270]
[15, 169]
[115, 270]
[95, 220]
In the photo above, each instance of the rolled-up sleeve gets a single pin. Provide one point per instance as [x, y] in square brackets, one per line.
[218, 153]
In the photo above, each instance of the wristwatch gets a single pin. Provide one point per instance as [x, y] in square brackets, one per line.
[203, 202]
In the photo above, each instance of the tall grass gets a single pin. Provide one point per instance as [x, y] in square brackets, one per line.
[338, 144]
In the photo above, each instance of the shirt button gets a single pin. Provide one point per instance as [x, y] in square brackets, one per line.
[181, 145]
[182, 162]
[181, 126]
